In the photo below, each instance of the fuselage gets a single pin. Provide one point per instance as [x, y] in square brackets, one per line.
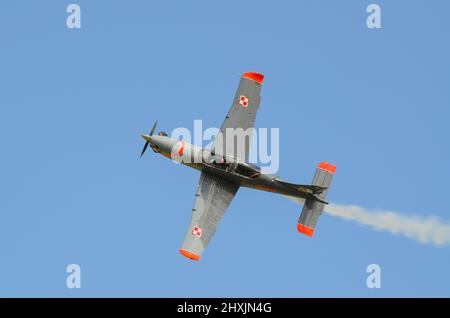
[229, 168]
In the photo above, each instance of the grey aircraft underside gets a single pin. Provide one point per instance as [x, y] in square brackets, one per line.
[224, 169]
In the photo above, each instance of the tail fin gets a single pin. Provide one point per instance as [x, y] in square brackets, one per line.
[313, 207]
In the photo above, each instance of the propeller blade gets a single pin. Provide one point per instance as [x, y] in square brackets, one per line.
[151, 133]
[153, 128]
[145, 148]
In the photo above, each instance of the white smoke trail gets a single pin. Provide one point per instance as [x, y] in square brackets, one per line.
[422, 229]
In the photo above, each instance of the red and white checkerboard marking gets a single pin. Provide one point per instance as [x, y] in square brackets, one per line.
[197, 231]
[243, 101]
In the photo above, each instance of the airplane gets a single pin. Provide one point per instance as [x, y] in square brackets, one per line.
[225, 169]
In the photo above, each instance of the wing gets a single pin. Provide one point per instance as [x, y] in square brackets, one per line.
[212, 198]
[242, 114]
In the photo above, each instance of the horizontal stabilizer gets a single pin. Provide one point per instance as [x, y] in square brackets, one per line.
[314, 205]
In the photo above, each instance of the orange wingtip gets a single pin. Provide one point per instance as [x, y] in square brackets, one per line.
[189, 255]
[327, 167]
[257, 77]
[305, 229]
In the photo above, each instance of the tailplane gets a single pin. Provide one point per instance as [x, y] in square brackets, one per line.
[315, 204]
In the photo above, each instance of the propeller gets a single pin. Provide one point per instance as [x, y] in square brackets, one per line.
[147, 142]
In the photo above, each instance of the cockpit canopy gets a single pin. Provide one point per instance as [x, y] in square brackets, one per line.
[248, 170]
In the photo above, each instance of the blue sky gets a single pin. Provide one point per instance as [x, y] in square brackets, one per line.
[73, 103]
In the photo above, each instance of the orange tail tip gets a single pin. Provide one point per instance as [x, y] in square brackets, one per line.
[257, 77]
[189, 255]
[327, 167]
[305, 229]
